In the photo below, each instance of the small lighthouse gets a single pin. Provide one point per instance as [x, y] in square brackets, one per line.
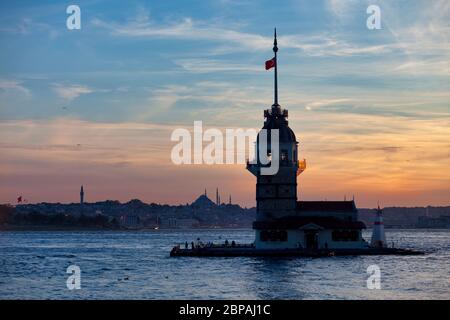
[378, 236]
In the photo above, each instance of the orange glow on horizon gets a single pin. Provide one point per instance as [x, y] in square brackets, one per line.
[408, 167]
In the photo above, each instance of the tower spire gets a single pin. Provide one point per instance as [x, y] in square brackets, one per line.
[275, 50]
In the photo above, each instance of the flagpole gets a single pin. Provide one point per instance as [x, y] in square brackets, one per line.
[275, 50]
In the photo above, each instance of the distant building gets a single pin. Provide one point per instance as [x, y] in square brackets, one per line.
[170, 223]
[179, 223]
[433, 223]
[130, 221]
[81, 195]
[203, 202]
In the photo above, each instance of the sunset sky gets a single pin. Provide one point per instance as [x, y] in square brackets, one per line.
[97, 106]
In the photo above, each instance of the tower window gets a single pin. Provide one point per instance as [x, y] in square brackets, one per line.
[284, 155]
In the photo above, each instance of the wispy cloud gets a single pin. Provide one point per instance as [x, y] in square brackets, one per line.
[70, 92]
[214, 101]
[27, 26]
[422, 37]
[208, 65]
[325, 102]
[13, 86]
[425, 67]
[188, 29]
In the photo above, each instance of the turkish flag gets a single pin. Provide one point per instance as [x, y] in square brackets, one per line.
[270, 63]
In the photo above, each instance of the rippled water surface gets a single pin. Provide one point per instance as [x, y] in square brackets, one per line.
[136, 265]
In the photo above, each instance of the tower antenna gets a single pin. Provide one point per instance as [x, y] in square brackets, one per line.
[275, 50]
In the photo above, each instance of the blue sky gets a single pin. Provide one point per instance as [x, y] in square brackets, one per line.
[168, 63]
[129, 52]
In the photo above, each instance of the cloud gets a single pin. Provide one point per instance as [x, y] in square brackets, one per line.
[142, 26]
[229, 40]
[342, 9]
[325, 102]
[216, 102]
[208, 65]
[70, 92]
[421, 35]
[69, 138]
[425, 66]
[27, 26]
[13, 86]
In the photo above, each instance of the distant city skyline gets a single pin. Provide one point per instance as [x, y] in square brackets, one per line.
[96, 106]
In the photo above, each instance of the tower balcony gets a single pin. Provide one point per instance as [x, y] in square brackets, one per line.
[301, 165]
[276, 111]
[255, 168]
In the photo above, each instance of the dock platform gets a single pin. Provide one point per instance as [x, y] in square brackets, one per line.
[250, 251]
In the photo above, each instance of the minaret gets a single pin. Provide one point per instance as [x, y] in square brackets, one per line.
[205, 193]
[217, 197]
[276, 195]
[229, 200]
[81, 195]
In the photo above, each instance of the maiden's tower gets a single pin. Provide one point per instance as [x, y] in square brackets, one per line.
[284, 225]
[282, 221]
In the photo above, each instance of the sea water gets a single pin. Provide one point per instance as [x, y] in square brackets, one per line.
[137, 265]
